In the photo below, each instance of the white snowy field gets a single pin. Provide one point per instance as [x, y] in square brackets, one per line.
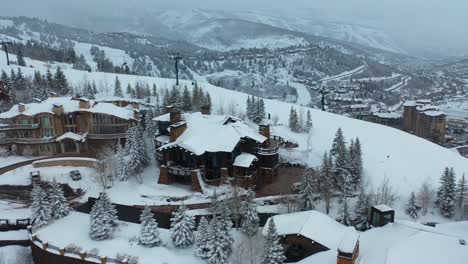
[404, 159]
[74, 228]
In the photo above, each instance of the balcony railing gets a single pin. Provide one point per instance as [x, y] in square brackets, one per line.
[27, 140]
[275, 143]
[19, 127]
[181, 171]
[107, 136]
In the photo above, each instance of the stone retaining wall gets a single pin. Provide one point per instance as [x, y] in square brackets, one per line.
[74, 162]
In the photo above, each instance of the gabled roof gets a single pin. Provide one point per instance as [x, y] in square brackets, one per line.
[313, 225]
[211, 133]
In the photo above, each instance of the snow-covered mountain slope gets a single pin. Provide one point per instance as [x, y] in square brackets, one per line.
[353, 33]
[404, 159]
[206, 20]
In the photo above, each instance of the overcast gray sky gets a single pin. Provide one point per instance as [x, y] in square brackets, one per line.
[435, 24]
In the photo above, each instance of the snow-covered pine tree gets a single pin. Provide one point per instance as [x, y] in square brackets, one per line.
[122, 172]
[149, 233]
[150, 124]
[109, 208]
[207, 101]
[133, 149]
[326, 180]
[89, 91]
[40, 207]
[39, 89]
[462, 194]
[118, 87]
[446, 193]
[186, 100]
[293, 120]
[220, 242]
[250, 219]
[338, 142]
[49, 79]
[307, 189]
[202, 249]
[129, 89]
[175, 98]
[100, 227]
[356, 163]
[182, 228]
[344, 216]
[249, 108]
[361, 212]
[61, 83]
[343, 177]
[196, 95]
[155, 90]
[411, 208]
[308, 123]
[273, 251]
[260, 105]
[58, 203]
[20, 58]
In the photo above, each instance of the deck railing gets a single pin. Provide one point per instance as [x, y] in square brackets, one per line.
[27, 140]
[19, 127]
[107, 136]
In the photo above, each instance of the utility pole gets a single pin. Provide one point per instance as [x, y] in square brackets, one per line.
[4, 44]
[176, 59]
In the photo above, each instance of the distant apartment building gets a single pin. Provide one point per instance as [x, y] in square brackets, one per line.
[425, 120]
[65, 125]
[391, 119]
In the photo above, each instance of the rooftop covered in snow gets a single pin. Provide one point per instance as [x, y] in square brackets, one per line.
[69, 106]
[244, 160]
[211, 133]
[315, 226]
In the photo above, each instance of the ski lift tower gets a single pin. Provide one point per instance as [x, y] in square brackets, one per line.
[176, 57]
[5, 44]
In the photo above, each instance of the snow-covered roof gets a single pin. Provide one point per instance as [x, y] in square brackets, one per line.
[210, 133]
[117, 99]
[383, 208]
[388, 115]
[428, 248]
[69, 106]
[434, 113]
[313, 225]
[111, 109]
[244, 160]
[73, 136]
[409, 103]
[349, 241]
[163, 118]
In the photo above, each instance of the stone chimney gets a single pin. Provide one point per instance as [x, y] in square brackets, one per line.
[84, 103]
[21, 107]
[136, 114]
[58, 109]
[174, 115]
[264, 129]
[177, 129]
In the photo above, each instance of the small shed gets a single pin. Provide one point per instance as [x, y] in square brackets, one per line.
[381, 215]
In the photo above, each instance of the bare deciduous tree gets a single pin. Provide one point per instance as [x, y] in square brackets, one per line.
[425, 196]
